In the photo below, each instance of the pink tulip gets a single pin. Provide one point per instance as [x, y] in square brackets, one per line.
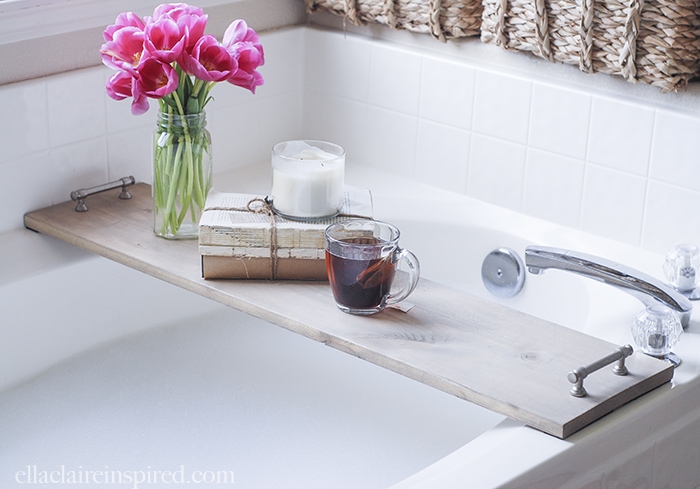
[209, 61]
[119, 87]
[191, 20]
[244, 44]
[139, 105]
[125, 49]
[176, 10]
[155, 79]
[164, 40]
[148, 54]
[247, 76]
[125, 19]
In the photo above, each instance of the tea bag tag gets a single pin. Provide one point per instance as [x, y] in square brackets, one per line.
[402, 306]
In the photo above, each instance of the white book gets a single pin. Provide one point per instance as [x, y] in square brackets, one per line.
[235, 224]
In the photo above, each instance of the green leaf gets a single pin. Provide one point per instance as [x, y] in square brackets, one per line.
[192, 106]
[170, 102]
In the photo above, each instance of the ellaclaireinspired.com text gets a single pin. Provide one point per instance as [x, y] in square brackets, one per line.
[134, 479]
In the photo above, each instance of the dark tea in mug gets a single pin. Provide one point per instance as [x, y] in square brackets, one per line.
[362, 260]
[359, 281]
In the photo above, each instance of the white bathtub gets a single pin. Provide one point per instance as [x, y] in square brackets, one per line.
[107, 370]
[158, 379]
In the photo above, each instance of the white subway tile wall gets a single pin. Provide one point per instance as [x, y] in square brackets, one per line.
[553, 187]
[675, 151]
[609, 165]
[442, 156]
[559, 120]
[612, 202]
[496, 171]
[609, 143]
[502, 106]
[618, 168]
[439, 78]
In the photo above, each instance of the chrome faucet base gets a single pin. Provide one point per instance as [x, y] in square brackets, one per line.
[692, 295]
[670, 357]
[673, 359]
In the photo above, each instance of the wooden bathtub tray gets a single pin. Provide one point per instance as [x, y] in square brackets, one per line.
[499, 358]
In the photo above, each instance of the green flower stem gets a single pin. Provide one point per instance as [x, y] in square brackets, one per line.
[181, 179]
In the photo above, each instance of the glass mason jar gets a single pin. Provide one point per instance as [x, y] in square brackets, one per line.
[182, 174]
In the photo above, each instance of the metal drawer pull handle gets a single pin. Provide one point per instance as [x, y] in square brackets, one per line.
[576, 376]
[83, 193]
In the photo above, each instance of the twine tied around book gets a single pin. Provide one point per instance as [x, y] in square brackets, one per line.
[259, 205]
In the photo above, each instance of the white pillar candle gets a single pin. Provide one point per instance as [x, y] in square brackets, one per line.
[307, 178]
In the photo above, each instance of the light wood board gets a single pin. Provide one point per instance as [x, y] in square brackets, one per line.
[499, 358]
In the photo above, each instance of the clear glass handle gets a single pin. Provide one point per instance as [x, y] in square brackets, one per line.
[404, 258]
[682, 269]
[656, 331]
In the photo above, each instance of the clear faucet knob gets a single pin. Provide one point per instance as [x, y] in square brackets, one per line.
[656, 330]
[682, 269]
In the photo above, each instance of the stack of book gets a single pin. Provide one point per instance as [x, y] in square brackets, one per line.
[241, 238]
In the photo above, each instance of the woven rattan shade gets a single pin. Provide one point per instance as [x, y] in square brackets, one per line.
[443, 19]
[655, 41]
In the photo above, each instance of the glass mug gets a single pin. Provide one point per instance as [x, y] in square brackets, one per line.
[362, 258]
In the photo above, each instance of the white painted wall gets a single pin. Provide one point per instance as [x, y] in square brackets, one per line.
[44, 37]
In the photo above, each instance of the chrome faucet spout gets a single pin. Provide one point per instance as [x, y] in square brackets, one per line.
[642, 286]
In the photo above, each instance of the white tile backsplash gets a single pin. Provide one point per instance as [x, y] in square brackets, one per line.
[440, 77]
[76, 104]
[620, 135]
[341, 120]
[279, 118]
[24, 127]
[559, 120]
[28, 187]
[623, 169]
[496, 171]
[129, 153]
[442, 156]
[553, 187]
[611, 203]
[283, 69]
[394, 79]
[344, 69]
[670, 217]
[675, 154]
[395, 147]
[502, 106]
[79, 165]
